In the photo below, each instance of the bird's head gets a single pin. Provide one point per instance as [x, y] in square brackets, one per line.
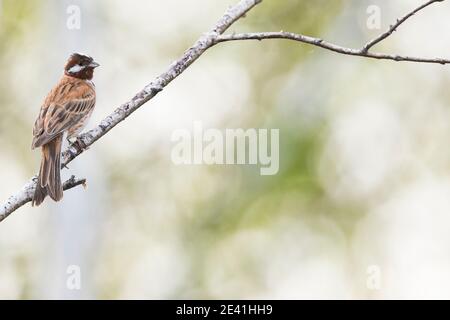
[80, 66]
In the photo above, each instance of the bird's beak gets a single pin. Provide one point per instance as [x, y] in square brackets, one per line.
[93, 64]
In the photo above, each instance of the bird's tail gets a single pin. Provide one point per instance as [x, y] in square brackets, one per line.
[49, 179]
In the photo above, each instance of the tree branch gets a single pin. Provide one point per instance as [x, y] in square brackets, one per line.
[148, 92]
[152, 89]
[363, 52]
[326, 45]
[26, 194]
[208, 40]
[394, 27]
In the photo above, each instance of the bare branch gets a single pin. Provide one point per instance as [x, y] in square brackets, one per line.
[208, 40]
[326, 45]
[153, 88]
[394, 27]
[26, 194]
[148, 92]
[363, 52]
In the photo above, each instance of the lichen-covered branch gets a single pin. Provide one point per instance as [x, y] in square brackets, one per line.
[206, 41]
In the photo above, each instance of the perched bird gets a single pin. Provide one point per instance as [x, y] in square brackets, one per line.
[65, 110]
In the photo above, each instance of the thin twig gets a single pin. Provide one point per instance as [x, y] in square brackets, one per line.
[25, 195]
[363, 52]
[325, 45]
[153, 88]
[394, 27]
[148, 92]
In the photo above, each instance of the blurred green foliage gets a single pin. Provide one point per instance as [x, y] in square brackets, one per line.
[15, 19]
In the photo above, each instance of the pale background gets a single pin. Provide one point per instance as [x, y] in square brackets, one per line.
[359, 209]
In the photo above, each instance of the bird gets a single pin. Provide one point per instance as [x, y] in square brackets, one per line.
[65, 111]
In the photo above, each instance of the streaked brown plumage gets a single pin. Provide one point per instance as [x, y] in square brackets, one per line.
[66, 109]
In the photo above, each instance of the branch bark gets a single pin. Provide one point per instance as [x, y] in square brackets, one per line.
[206, 41]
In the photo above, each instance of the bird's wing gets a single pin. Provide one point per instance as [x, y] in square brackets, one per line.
[63, 108]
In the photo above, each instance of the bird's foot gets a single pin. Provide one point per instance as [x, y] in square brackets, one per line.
[80, 145]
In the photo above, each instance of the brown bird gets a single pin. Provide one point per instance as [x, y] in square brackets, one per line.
[65, 110]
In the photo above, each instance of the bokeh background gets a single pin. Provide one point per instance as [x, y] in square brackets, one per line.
[359, 209]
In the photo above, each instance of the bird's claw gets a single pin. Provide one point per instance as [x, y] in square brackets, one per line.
[80, 145]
